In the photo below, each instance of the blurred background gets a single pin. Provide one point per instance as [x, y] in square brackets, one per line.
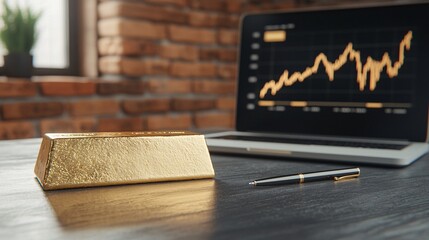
[132, 65]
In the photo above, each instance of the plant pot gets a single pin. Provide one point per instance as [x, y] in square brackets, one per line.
[19, 65]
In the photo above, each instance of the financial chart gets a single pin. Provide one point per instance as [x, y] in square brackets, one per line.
[343, 70]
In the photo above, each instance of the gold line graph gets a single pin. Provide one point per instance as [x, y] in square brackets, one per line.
[372, 67]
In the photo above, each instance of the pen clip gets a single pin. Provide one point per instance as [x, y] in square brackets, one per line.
[347, 177]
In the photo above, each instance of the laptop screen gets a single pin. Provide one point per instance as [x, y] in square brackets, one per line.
[361, 72]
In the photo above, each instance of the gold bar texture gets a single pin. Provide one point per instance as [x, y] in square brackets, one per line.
[73, 160]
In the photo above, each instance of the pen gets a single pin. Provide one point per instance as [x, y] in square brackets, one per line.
[336, 175]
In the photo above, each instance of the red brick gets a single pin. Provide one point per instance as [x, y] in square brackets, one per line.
[120, 124]
[139, 10]
[169, 122]
[17, 88]
[93, 107]
[222, 54]
[183, 52]
[121, 87]
[234, 6]
[178, 3]
[226, 103]
[109, 88]
[133, 67]
[209, 54]
[215, 5]
[203, 19]
[131, 28]
[67, 125]
[214, 87]
[191, 35]
[228, 37]
[31, 110]
[66, 86]
[169, 86]
[228, 21]
[227, 71]
[259, 7]
[228, 55]
[214, 120]
[126, 46]
[180, 69]
[192, 104]
[16, 130]
[145, 106]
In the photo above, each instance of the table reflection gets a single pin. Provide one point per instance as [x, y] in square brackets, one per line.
[173, 204]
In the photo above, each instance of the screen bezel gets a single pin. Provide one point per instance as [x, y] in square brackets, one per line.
[419, 131]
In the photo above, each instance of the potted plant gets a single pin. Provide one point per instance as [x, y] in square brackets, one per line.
[18, 37]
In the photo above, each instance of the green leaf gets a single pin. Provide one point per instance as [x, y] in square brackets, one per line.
[19, 32]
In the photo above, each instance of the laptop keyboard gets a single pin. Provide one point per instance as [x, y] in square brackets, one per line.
[317, 142]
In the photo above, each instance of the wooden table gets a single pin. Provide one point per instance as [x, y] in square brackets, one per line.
[383, 203]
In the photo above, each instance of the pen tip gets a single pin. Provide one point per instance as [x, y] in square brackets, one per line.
[252, 183]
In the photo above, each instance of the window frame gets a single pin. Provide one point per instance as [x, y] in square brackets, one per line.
[73, 47]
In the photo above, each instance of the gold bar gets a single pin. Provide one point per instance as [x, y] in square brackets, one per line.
[275, 36]
[76, 160]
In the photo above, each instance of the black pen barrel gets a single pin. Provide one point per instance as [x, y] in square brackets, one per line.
[337, 174]
[290, 179]
[330, 175]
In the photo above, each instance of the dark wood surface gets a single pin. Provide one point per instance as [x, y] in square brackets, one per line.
[384, 203]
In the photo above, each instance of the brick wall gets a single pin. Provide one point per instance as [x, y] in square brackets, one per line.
[181, 52]
[163, 64]
[70, 104]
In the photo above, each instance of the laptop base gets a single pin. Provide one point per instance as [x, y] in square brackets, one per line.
[386, 157]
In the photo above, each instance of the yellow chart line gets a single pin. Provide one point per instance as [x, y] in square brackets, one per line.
[373, 105]
[267, 103]
[298, 104]
[373, 67]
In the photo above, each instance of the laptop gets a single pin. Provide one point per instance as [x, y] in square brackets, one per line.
[344, 85]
